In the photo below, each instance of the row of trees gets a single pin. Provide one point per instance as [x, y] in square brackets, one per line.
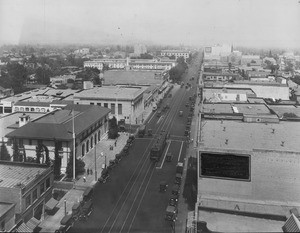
[177, 71]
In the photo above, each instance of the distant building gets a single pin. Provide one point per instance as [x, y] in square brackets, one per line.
[126, 103]
[62, 79]
[82, 51]
[54, 131]
[140, 49]
[224, 77]
[251, 60]
[176, 53]
[217, 52]
[27, 187]
[5, 92]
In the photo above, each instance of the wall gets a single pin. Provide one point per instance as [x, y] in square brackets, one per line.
[9, 219]
[274, 180]
[11, 195]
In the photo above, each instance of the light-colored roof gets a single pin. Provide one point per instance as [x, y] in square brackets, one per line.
[252, 109]
[131, 77]
[111, 92]
[249, 136]
[13, 174]
[286, 111]
[175, 51]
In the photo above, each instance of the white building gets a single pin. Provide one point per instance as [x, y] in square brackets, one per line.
[217, 52]
[126, 103]
[176, 53]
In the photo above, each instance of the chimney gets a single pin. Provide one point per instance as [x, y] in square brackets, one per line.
[273, 130]
[226, 141]
[224, 128]
[23, 120]
[282, 143]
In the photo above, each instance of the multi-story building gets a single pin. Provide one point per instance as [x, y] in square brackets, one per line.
[176, 53]
[27, 187]
[54, 132]
[125, 102]
[217, 52]
[248, 164]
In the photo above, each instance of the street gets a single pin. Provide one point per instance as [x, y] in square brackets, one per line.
[130, 201]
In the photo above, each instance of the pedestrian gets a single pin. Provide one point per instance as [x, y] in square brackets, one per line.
[84, 179]
[88, 171]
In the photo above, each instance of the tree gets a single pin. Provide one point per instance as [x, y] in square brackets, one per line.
[4, 155]
[18, 75]
[43, 75]
[16, 154]
[112, 128]
[79, 167]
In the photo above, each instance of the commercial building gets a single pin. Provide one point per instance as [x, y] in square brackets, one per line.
[223, 77]
[217, 52]
[248, 172]
[176, 53]
[126, 103]
[54, 132]
[26, 189]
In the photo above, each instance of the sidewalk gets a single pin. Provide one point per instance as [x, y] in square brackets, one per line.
[190, 152]
[52, 222]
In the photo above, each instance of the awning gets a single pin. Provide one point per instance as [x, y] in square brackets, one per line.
[50, 205]
[292, 224]
[23, 228]
[33, 223]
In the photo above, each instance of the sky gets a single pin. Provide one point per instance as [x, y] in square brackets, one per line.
[256, 23]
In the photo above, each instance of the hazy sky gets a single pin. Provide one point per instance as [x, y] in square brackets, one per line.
[191, 22]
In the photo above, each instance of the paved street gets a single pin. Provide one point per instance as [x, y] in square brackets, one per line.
[131, 201]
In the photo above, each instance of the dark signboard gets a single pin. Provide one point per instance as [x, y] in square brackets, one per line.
[225, 166]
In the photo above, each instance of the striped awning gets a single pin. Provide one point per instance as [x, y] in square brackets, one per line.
[292, 224]
[33, 223]
[23, 228]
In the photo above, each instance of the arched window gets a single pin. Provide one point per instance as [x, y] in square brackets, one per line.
[95, 136]
[16, 109]
[99, 135]
[22, 109]
[92, 145]
[27, 109]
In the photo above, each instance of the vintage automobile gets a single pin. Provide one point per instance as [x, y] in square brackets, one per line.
[169, 157]
[86, 210]
[65, 224]
[163, 186]
[171, 213]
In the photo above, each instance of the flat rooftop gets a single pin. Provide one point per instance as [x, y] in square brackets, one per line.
[226, 108]
[114, 77]
[4, 207]
[111, 92]
[12, 174]
[286, 111]
[222, 222]
[248, 136]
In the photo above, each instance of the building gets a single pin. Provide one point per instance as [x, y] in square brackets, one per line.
[126, 102]
[223, 77]
[218, 52]
[251, 60]
[175, 53]
[134, 77]
[247, 172]
[62, 79]
[139, 49]
[111, 63]
[213, 94]
[27, 187]
[7, 216]
[53, 131]
[261, 89]
[5, 92]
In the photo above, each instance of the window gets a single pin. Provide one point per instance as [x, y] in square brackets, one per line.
[106, 105]
[48, 183]
[27, 109]
[22, 109]
[113, 106]
[16, 109]
[37, 109]
[30, 142]
[42, 110]
[32, 109]
[28, 201]
[99, 104]
[91, 103]
[119, 109]
[34, 195]
[42, 188]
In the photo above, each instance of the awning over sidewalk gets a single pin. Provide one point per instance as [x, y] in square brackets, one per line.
[50, 205]
[33, 223]
[23, 228]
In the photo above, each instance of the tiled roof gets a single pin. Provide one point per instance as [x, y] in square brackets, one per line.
[58, 124]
